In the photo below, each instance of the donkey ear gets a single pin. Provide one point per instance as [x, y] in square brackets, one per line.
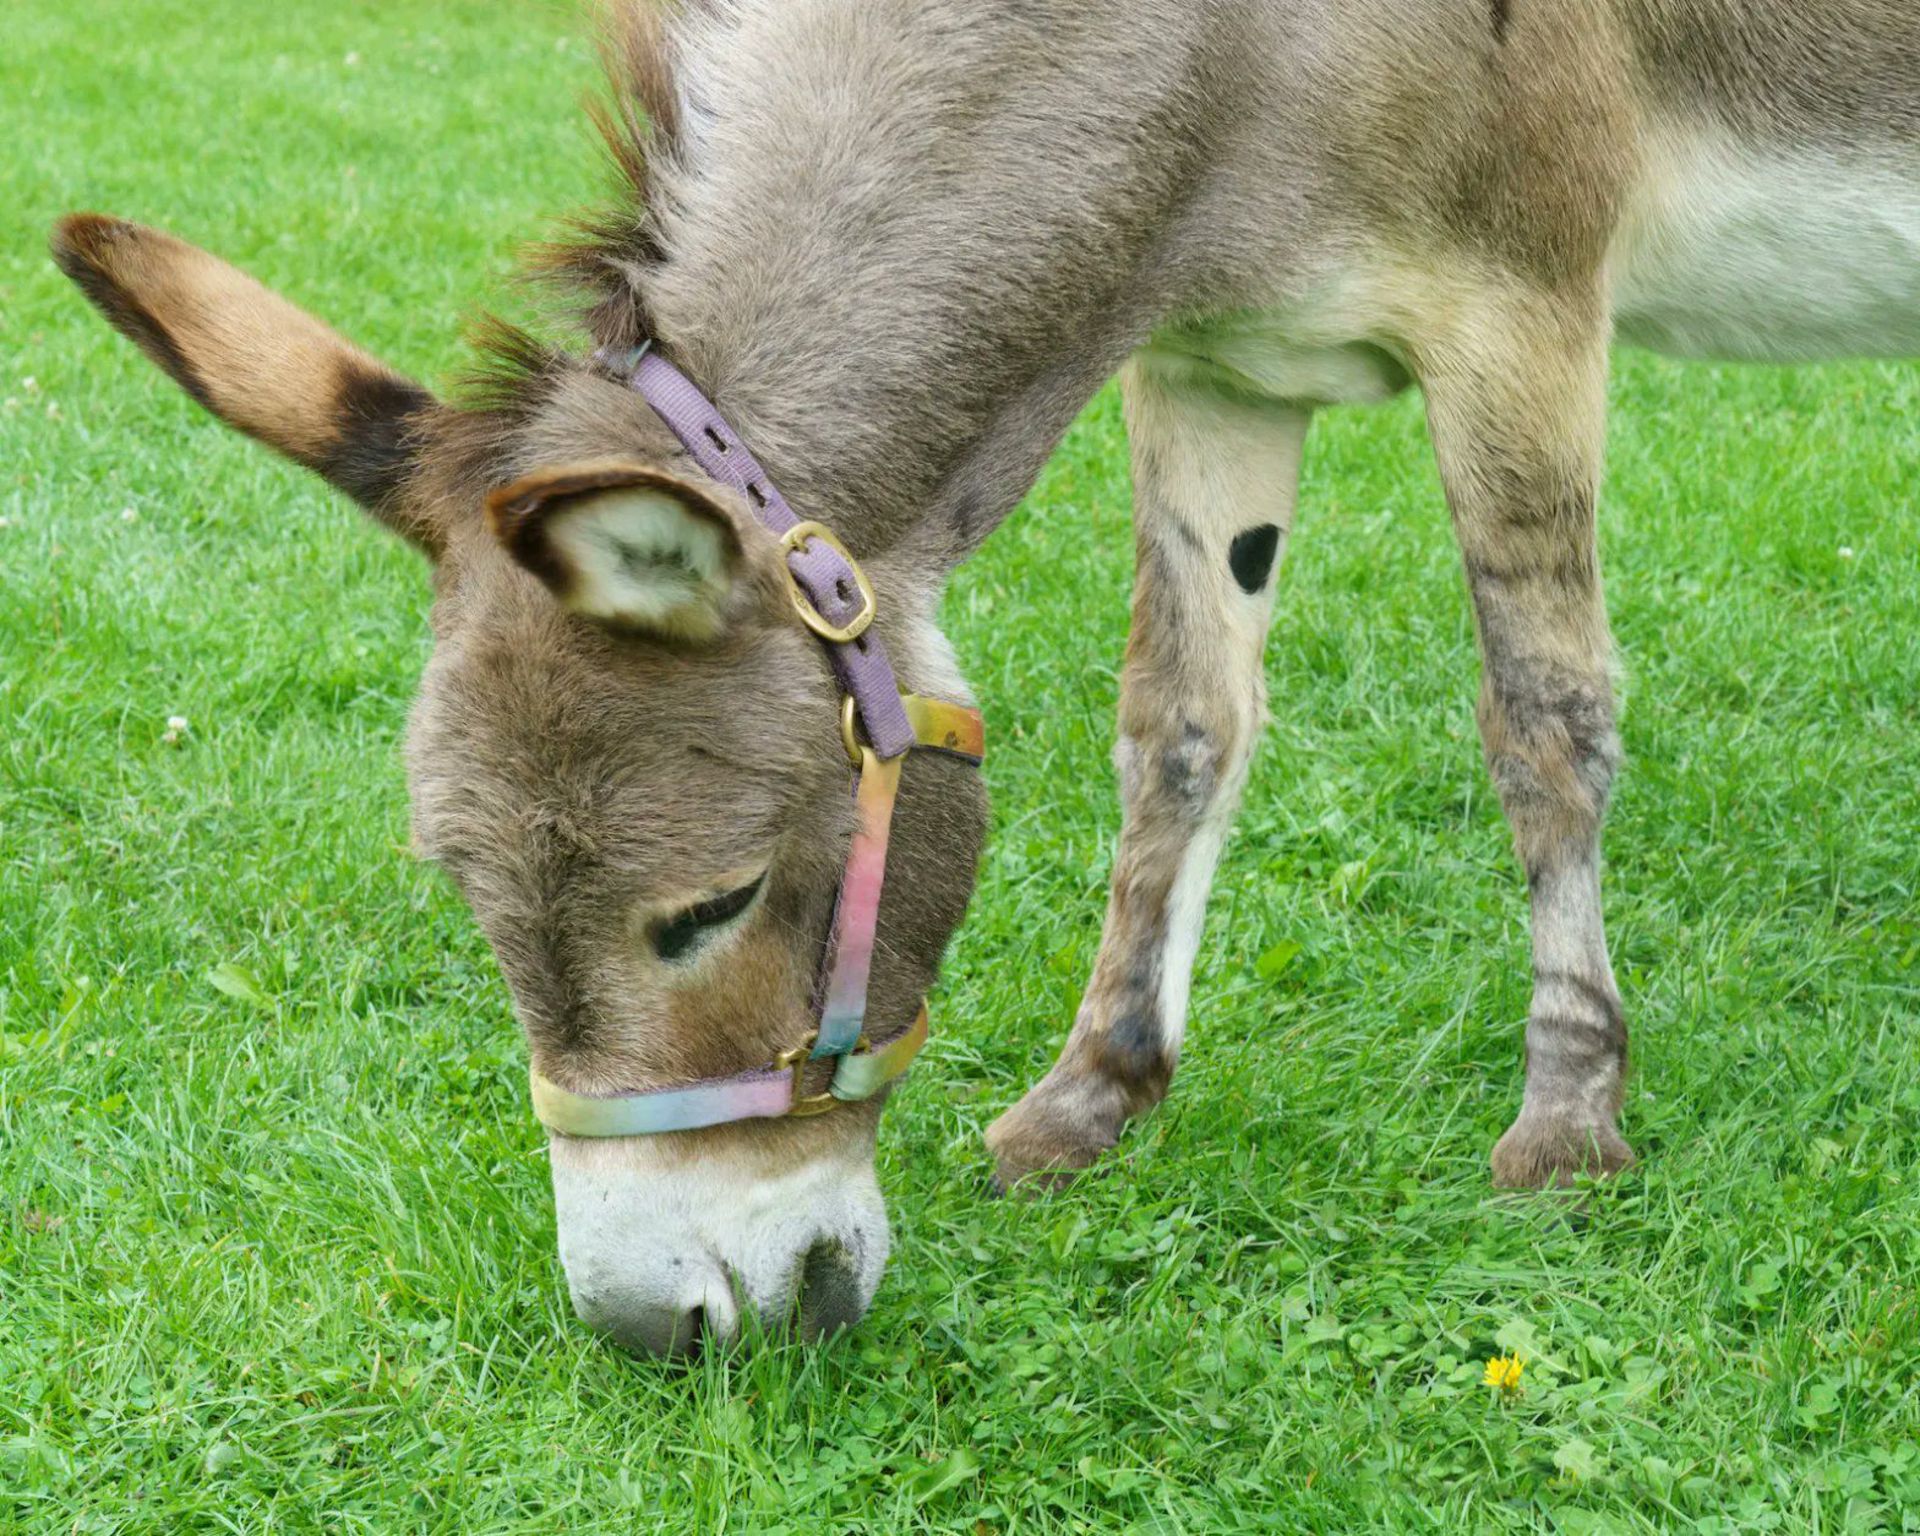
[258, 362]
[624, 543]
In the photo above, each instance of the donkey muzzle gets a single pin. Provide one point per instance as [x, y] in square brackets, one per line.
[665, 1253]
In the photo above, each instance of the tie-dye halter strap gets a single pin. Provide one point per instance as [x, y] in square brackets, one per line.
[879, 725]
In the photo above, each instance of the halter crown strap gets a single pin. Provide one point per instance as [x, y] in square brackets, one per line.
[834, 599]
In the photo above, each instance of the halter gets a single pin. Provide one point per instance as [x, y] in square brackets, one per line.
[879, 725]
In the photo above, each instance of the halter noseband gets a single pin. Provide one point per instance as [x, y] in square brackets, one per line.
[833, 599]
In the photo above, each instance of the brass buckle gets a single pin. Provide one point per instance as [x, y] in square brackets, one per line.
[792, 542]
[795, 1062]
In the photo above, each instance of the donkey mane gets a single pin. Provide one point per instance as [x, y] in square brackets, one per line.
[599, 253]
[594, 260]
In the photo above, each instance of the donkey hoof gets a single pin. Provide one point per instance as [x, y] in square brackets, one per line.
[1047, 1139]
[1539, 1152]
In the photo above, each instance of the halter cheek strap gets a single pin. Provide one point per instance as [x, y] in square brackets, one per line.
[837, 1063]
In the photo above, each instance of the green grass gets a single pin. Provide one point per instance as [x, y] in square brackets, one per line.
[276, 1247]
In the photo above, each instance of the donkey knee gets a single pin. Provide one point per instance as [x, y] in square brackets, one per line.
[1552, 750]
[1173, 771]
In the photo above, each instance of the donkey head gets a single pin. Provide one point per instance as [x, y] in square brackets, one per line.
[627, 753]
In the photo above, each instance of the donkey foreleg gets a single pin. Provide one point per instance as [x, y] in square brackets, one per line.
[1215, 471]
[1516, 401]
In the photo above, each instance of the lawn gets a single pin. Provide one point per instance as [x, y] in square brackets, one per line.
[276, 1240]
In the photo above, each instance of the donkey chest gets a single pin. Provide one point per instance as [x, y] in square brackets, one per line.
[1770, 254]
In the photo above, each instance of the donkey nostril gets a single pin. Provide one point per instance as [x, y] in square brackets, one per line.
[647, 1328]
[829, 1290]
[673, 1335]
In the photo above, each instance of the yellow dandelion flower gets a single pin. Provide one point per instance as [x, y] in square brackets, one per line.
[1503, 1374]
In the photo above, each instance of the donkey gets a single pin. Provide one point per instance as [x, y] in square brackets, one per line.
[891, 248]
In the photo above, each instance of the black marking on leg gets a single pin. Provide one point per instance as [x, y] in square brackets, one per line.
[1584, 1043]
[1603, 1000]
[1250, 556]
[1502, 19]
[1541, 719]
[1190, 769]
[1133, 1044]
[1132, 1048]
[1604, 1003]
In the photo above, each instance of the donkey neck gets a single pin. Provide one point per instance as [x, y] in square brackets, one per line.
[896, 298]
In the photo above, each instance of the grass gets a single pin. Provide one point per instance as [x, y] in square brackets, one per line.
[276, 1246]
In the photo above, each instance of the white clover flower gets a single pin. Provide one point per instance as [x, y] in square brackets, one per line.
[1846, 551]
[129, 515]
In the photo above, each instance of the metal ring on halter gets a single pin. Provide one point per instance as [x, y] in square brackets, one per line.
[794, 542]
[794, 1062]
[849, 730]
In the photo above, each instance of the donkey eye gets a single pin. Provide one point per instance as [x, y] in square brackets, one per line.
[673, 937]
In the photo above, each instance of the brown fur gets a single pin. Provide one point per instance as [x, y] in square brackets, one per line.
[246, 354]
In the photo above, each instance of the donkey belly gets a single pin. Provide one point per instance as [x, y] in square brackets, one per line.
[1753, 253]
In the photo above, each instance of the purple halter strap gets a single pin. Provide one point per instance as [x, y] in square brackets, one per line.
[824, 575]
[833, 599]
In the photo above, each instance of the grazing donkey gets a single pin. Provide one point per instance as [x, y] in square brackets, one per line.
[888, 249]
